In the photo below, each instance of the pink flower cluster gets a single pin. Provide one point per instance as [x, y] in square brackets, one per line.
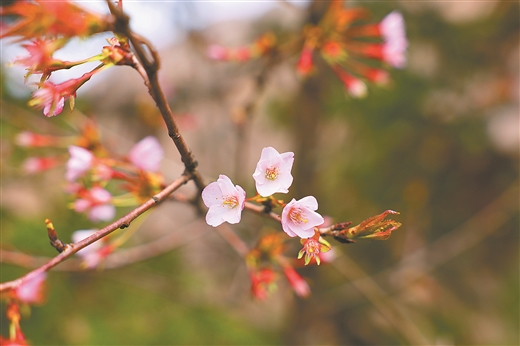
[97, 202]
[272, 175]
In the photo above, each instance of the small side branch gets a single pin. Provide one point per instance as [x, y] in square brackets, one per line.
[123, 222]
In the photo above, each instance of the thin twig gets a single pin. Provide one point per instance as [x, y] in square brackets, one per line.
[123, 222]
[119, 258]
[235, 241]
[393, 313]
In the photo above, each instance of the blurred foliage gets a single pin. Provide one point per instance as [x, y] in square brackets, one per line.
[422, 147]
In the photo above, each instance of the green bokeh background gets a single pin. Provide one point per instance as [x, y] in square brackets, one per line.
[423, 147]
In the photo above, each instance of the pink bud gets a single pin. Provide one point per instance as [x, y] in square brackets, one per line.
[299, 285]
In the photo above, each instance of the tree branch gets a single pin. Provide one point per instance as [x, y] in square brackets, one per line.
[123, 222]
[149, 59]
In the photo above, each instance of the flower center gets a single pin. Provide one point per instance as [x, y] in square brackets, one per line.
[271, 173]
[297, 216]
[230, 202]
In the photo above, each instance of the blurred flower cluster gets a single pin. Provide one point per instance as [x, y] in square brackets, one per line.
[46, 27]
[356, 52]
[91, 167]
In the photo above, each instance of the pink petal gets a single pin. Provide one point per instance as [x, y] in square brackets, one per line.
[58, 108]
[80, 162]
[226, 186]
[82, 234]
[104, 212]
[392, 26]
[147, 154]
[215, 214]
[81, 205]
[30, 290]
[100, 195]
[232, 215]
[309, 202]
[212, 195]
[271, 159]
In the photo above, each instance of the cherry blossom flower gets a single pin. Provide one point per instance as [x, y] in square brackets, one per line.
[79, 163]
[299, 285]
[313, 247]
[225, 201]
[51, 97]
[48, 97]
[394, 52]
[273, 172]
[392, 27]
[299, 217]
[31, 291]
[96, 202]
[147, 154]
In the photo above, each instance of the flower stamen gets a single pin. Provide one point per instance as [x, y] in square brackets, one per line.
[271, 173]
[297, 216]
[230, 202]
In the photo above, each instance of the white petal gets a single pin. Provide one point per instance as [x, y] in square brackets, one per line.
[147, 154]
[232, 215]
[212, 195]
[309, 202]
[214, 215]
[104, 212]
[226, 186]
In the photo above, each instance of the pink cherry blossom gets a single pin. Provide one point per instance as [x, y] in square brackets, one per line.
[79, 163]
[225, 201]
[30, 291]
[147, 154]
[392, 26]
[97, 203]
[394, 52]
[273, 172]
[50, 98]
[299, 217]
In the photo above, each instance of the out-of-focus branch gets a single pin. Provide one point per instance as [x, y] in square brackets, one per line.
[119, 258]
[123, 222]
[394, 314]
[236, 243]
[149, 59]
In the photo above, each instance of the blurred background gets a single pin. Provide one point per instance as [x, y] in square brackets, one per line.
[440, 145]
